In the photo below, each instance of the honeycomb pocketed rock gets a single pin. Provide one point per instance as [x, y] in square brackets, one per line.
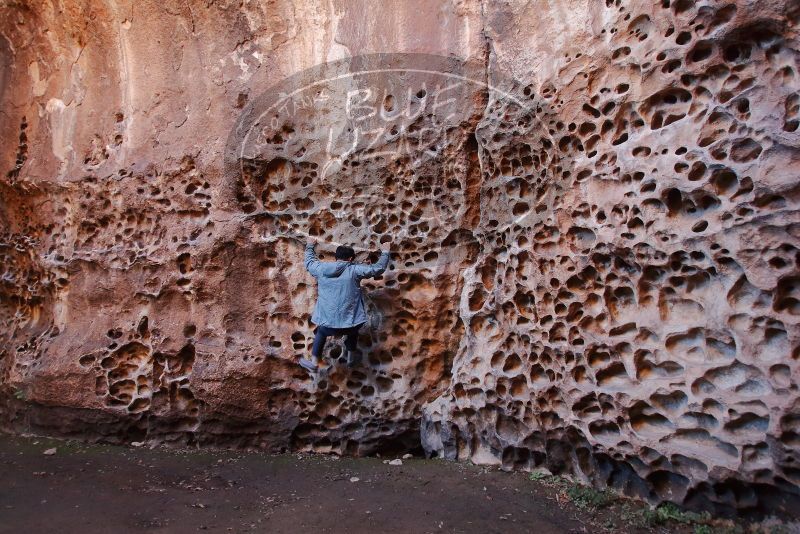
[593, 209]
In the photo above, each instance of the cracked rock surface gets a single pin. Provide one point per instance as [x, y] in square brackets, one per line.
[598, 273]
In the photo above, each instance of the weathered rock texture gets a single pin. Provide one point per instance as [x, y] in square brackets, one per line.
[611, 290]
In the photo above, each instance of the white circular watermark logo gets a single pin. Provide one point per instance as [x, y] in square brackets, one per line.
[369, 149]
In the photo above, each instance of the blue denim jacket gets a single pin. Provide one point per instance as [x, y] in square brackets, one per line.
[339, 300]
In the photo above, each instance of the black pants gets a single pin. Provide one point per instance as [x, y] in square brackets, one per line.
[350, 339]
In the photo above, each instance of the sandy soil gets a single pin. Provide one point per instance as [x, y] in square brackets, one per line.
[100, 488]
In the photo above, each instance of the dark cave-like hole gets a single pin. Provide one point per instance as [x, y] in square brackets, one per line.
[407, 442]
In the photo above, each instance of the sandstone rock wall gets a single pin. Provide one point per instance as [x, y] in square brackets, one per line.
[609, 287]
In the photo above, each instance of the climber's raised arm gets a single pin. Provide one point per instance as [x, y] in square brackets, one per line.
[376, 269]
[311, 261]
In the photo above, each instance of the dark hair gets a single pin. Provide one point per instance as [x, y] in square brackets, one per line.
[345, 253]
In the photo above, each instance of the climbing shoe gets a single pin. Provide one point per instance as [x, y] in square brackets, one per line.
[353, 358]
[308, 365]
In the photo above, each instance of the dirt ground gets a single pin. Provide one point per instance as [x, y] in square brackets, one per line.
[102, 488]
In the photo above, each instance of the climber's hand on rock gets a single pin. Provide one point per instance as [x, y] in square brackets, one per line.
[386, 247]
[311, 242]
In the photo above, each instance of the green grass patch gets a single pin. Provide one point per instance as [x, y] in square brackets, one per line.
[670, 513]
[584, 497]
[540, 476]
[587, 498]
[551, 481]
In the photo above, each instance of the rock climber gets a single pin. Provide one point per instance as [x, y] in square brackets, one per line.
[340, 306]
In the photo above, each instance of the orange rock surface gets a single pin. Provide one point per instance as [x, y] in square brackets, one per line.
[593, 207]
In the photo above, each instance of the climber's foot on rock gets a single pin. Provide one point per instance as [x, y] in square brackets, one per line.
[353, 358]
